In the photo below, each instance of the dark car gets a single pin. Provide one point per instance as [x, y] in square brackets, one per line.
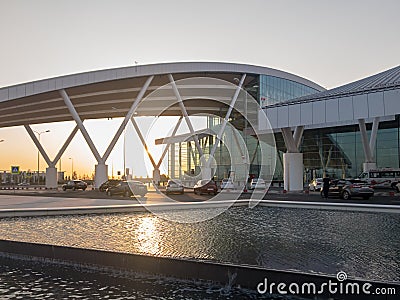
[109, 183]
[74, 185]
[205, 186]
[128, 188]
[348, 188]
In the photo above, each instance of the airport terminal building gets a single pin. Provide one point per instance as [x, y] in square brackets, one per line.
[338, 132]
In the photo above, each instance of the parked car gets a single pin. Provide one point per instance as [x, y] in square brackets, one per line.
[227, 183]
[109, 183]
[174, 186]
[257, 183]
[348, 188]
[205, 186]
[316, 184]
[397, 187]
[74, 185]
[128, 188]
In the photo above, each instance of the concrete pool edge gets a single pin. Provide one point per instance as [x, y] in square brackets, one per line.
[188, 269]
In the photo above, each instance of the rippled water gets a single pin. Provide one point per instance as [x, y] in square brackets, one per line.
[33, 280]
[364, 245]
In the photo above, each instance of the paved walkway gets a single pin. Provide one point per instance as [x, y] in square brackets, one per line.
[60, 204]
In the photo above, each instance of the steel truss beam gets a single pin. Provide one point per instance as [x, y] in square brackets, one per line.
[227, 116]
[185, 115]
[81, 127]
[51, 163]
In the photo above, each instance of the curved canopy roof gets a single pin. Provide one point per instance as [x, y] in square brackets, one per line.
[110, 93]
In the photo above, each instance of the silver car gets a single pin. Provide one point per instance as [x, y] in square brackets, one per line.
[257, 183]
[174, 186]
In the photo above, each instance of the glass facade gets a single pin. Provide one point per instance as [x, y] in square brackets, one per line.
[274, 90]
[338, 151]
[184, 159]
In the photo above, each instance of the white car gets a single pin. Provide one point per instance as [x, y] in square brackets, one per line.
[316, 184]
[257, 183]
[174, 186]
[397, 187]
[227, 183]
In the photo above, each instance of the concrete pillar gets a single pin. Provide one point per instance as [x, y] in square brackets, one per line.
[156, 176]
[51, 178]
[368, 166]
[293, 171]
[100, 174]
[206, 172]
[172, 160]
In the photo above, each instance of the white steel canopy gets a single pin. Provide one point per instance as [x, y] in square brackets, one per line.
[110, 93]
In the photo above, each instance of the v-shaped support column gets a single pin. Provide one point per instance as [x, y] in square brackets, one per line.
[101, 170]
[369, 147]
[156, 170]
[51, 171]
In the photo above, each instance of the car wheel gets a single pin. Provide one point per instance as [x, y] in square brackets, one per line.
[346, 195]
[64, 189]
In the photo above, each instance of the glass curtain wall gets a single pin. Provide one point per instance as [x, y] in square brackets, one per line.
[338, 152]
[266, 90]
[274, 90]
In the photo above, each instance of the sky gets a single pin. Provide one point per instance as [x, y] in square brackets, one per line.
[328, 42]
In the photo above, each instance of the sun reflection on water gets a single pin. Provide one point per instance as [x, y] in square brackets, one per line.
[148, 235]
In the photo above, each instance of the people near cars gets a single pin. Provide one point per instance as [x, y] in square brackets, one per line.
[325, 186]
[349, 188]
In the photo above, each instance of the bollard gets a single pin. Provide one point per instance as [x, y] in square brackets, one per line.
[284, 191]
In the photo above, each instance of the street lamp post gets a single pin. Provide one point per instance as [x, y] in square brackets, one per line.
[38, 154]
[72, 167]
